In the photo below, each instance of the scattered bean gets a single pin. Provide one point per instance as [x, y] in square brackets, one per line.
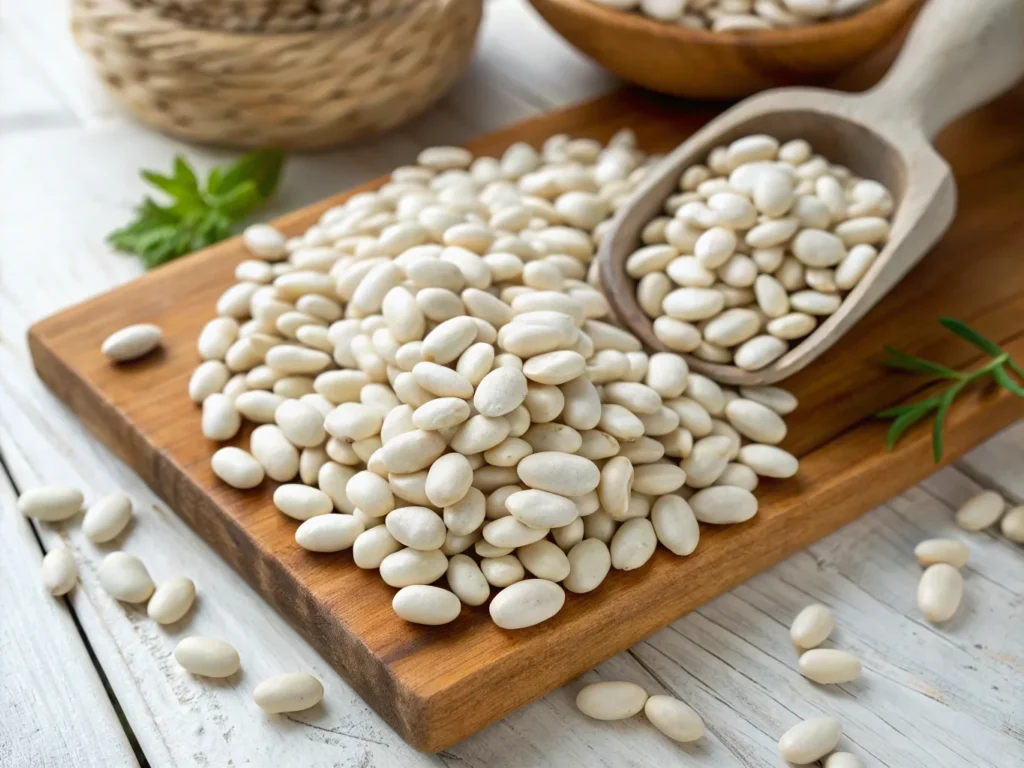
[981, 511]
[949, 551]
[611, 700]
[810, 740]
[939, 592]
[125, 578]
[171, 600]
[50, 503]
[812, 626]
[132, 342]
[674, 718]
[843, 760]
[207, 656]
[59, 570]
[291, 692]
[826, 665]
[1012, 525]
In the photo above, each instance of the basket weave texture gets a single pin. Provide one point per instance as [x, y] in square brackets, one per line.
[272, 15]
[301, 90]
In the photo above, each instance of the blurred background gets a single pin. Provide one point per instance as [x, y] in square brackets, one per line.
[92, 91]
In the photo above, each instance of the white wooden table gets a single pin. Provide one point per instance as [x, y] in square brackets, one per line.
[87, 682]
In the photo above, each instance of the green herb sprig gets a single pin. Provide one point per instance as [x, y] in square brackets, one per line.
[197, 216]
[1001, 369]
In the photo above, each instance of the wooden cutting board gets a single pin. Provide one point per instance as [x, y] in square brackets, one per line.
[438, 685]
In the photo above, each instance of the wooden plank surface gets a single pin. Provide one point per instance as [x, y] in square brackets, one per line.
[64, 188]
[435, 685]
[37, 632]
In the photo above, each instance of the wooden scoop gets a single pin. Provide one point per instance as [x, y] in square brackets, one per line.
[960, 54]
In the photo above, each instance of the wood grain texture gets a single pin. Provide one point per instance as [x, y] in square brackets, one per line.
[47, 682]
[701, 64]
[436, 686]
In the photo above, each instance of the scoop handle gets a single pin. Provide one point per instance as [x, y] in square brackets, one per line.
[959, 55]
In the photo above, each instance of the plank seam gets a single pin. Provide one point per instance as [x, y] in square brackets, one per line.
[121, 718]
[986, 482]
[708, 689]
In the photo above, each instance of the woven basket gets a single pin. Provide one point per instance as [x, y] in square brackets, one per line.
[272, 15]
[296, 91]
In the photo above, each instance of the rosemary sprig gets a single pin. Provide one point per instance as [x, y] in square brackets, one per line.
[1002, 369]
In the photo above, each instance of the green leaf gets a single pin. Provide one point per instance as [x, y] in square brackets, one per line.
[905, 362]
[1016, 367]
[159, 255]
[899, 410]
[238, 202]
[895, 411]
[185, 241]
[185, 193]
[193, 218]
[149, 216]
[157, 234]
[967, 333]
[269, 164]
[214, 227]
[262, 168]
[215, 181]
[150, 210]
[158, 245]
[158, 180]
[906, 415]
[905, 421]
[945, 401]
[1006, 381]
[184, 174]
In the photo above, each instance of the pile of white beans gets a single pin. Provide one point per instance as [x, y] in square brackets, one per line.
[740, 15]
[435, 361]
[759, 245]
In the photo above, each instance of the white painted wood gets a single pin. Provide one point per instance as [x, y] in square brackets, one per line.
[999, 463]
[946, 697]
[27, 101]
[54, 709]
[42, 30]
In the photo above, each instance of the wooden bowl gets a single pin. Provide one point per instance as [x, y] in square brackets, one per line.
[721, 65]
